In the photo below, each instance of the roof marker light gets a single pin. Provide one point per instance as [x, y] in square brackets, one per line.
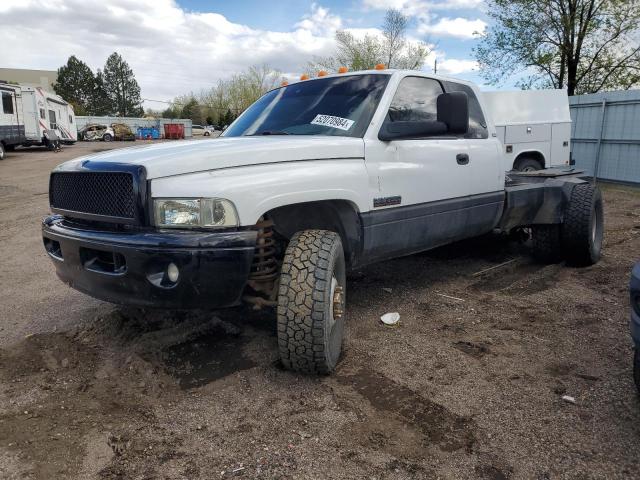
[380, 66]
[322, 73]
[284, 83]
[343, 70]
[304, 77]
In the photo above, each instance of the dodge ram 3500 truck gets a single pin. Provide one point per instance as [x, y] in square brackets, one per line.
[316, 178]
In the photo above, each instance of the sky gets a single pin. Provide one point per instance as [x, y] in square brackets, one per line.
[180, 46]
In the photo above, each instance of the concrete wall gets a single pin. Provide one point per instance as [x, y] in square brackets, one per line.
[134, 123]
[605, 134]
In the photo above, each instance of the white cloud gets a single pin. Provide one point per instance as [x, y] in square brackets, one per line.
[320, 21]
[454, 66]
[171, 50]
[453, 27]
[416, 7]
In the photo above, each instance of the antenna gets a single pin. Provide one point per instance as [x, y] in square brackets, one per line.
[435, 66]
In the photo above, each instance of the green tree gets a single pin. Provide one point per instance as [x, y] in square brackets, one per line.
[99, 103]
[364, 53]
[76, 84]
[582, 45]
[121, 87]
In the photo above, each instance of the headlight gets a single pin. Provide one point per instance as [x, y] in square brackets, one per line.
[194, 212]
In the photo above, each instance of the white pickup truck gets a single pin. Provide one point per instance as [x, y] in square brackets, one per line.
[313, 180]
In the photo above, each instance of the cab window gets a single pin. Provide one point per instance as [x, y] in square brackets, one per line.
[415, 100]
[477, 122]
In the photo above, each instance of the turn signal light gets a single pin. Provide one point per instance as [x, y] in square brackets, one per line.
[380, 66]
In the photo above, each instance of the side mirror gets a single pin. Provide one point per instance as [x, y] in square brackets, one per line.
[453, 111]
[397, 130]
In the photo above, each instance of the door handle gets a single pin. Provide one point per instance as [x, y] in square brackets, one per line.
[462, 159]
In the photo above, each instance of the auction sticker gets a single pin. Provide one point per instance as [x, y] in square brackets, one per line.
[333, 122]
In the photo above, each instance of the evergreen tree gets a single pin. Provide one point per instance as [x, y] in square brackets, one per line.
[76, 84]
[121, 87]
[100, 103]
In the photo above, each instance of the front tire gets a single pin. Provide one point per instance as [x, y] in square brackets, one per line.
[2, 153]
[311, 301]
[107, 137]
[583, 227]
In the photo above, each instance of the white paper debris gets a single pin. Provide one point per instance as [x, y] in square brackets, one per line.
[390, 318]
[569, 399]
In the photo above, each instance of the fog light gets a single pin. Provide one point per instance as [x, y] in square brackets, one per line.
[173, 273]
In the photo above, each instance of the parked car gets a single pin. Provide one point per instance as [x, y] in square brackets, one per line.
[634, 291]
[197, 130]
[122, 132]
[209, 130]
[313, 180]
[96, 131]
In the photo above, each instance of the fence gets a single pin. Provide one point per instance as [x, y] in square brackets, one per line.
[605, 135]
[134, 123]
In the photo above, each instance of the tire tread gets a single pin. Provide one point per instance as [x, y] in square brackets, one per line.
[304, 278]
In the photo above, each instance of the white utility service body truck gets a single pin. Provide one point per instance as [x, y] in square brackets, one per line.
[534, 127]
[313, 180]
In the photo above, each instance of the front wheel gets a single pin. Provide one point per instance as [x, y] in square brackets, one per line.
[107, 137]
[311, 302]
[1, 151]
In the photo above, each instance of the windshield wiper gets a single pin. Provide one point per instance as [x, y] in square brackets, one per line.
[270, 132]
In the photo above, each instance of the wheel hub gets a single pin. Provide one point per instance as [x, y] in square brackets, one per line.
[337, 301]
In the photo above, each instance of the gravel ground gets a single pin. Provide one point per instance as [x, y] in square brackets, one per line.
[469, 385]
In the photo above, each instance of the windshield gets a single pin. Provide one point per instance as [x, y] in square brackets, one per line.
[340, 106]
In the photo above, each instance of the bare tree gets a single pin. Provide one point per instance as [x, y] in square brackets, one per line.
[582, 45]
[394, 30]
[363, 53]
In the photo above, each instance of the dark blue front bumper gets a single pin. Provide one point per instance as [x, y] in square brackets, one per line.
[634, 290]
[129, 267]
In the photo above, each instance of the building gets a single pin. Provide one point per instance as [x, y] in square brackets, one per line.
[32, 78]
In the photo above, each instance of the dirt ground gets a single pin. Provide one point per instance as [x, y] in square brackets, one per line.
[469, 385]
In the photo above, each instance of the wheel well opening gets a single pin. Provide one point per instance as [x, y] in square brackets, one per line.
[339, 216]
[533, 155]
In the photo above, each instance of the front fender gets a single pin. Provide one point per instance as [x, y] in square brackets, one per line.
[256, 189]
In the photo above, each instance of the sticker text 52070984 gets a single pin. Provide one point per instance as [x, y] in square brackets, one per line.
[333, 122]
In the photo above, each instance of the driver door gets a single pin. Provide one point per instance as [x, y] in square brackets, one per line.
[418, 187]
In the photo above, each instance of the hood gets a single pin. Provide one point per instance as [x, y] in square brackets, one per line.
[188, 156]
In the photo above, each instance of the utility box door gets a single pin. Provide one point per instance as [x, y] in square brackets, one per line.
[560, 144]
[524, 133]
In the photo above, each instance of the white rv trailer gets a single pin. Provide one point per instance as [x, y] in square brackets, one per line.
[534, 127]
[11, 118]
[47, 111]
